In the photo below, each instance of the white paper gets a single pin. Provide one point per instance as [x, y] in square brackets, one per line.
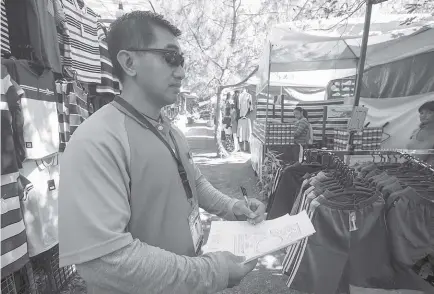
[254, 241]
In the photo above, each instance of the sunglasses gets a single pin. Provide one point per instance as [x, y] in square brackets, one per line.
[172, 57]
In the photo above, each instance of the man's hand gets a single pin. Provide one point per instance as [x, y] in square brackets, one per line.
[254, 213]
[237, 270]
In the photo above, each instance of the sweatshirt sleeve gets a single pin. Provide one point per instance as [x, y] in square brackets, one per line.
[214, 201]
[139, 268]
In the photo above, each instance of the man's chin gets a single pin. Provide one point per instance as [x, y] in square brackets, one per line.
[171, 99]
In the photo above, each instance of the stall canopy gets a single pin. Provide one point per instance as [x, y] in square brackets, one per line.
[333, 44]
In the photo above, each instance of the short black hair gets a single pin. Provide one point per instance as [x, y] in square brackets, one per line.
[134, 29]
[303, 111]
[427, 106]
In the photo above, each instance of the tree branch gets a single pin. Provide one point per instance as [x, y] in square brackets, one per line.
[198, 42]
[242, 81]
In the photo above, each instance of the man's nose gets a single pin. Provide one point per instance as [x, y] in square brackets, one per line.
[179, 73]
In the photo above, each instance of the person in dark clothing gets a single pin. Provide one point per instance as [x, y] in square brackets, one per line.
[423, 136]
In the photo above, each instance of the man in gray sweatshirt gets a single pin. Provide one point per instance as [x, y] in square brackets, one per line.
[129, 190]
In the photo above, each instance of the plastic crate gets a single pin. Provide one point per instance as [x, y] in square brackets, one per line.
[56, 278]
[23, 281]
[8, 285]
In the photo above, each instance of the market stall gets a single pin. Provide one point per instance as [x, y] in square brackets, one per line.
[52, 80]
[360, 200]
[306, 58]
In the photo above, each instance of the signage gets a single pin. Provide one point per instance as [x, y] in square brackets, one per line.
[339, 111]
[358, 118]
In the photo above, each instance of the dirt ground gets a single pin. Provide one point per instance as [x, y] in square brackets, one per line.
[227, 175]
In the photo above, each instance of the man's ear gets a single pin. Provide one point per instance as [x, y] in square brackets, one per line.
[127, 62]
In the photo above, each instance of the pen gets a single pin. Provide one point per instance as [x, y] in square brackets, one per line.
[243, 190]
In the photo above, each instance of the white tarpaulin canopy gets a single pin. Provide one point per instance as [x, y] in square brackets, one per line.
[391, 38]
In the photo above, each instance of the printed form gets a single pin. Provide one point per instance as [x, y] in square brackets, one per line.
[254, 241]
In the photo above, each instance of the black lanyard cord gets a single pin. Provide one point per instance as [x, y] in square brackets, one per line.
[129, 110]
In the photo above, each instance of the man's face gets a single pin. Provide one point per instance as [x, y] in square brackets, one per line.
[426, 116]
[160, 80]
[297, 114]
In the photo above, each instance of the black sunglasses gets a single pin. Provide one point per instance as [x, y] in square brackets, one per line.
[172, 57]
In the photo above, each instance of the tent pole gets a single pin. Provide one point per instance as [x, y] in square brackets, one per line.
[268, 94]
[363, 49]
[360, 69]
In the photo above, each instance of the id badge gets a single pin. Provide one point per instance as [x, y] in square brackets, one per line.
[51, 185]
[196, 228]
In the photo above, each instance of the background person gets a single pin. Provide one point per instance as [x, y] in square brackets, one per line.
[128, 216]
[302, 134]
[423, 136]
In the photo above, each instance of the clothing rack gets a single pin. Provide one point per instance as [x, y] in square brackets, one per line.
[309, 154]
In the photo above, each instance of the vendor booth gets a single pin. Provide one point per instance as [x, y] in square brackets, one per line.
[322, 65]
[371, 205]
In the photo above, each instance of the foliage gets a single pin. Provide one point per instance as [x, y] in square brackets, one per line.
[222, 40]
[269, 168]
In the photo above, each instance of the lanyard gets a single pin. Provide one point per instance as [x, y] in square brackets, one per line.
[129, 110]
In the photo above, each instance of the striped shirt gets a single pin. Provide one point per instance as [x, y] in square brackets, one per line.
[79, 42]
[5, 48]
[63, 114]
[78, 106]
[109, 83]
[14, 253]
[301, 134]
[72, 108]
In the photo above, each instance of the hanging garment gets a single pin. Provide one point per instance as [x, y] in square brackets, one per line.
[286, 188]
[40, 179]
[72, 108]
[39, 108]
[79, 42]
[5, 48]
[78, 106]
[411, 223]
[350, 246]
[109, 82]
[32, 28]
[63, 114]
[244, 129]
[14, 254]
[244, 103]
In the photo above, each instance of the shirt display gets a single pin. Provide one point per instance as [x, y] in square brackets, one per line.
[33, 32]
[40, 180]
[39, 108]
[14, 253]
[80, 43]
[5, 48]
[109, 82]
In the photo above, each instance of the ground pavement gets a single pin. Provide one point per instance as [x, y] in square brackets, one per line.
[227, 175]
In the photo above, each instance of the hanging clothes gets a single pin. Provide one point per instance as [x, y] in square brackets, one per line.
[5, 48]
[244, 129]
[109, 82]
[32, 29]
[14, 254]
[40, 180]
[72, 108]
[39, 108]
[63, 114]
[79, 42]
[245, 103]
